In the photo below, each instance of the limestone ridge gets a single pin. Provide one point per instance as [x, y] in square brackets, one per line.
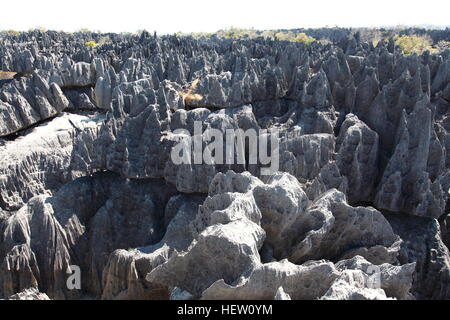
[86, 176]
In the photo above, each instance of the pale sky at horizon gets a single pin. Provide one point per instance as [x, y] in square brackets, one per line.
[207, 16]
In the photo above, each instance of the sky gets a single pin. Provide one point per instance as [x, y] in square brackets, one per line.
[170, 16]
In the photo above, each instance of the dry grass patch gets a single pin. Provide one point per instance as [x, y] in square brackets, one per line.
[414, 44]
[189, 96]
[5, 75]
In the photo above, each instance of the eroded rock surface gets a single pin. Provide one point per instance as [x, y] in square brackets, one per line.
[357, 207]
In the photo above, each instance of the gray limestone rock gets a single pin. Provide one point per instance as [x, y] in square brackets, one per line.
[301, 282]
[133, 265]
[328, 227]
[46, 158]
[29, 294]
[406, 185]
[357, 158]
[236, 244]
[27, 101]
[88, 177]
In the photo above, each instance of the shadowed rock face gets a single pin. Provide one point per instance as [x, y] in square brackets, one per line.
[87, 179]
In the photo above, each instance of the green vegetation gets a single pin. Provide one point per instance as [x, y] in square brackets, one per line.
[290, 36]
[12, 32]
[91, 44]
[240, 33]
[231, 33]
[237, 33]
[443, 45]
[198, 35]
[414, 44]
[38, 28]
